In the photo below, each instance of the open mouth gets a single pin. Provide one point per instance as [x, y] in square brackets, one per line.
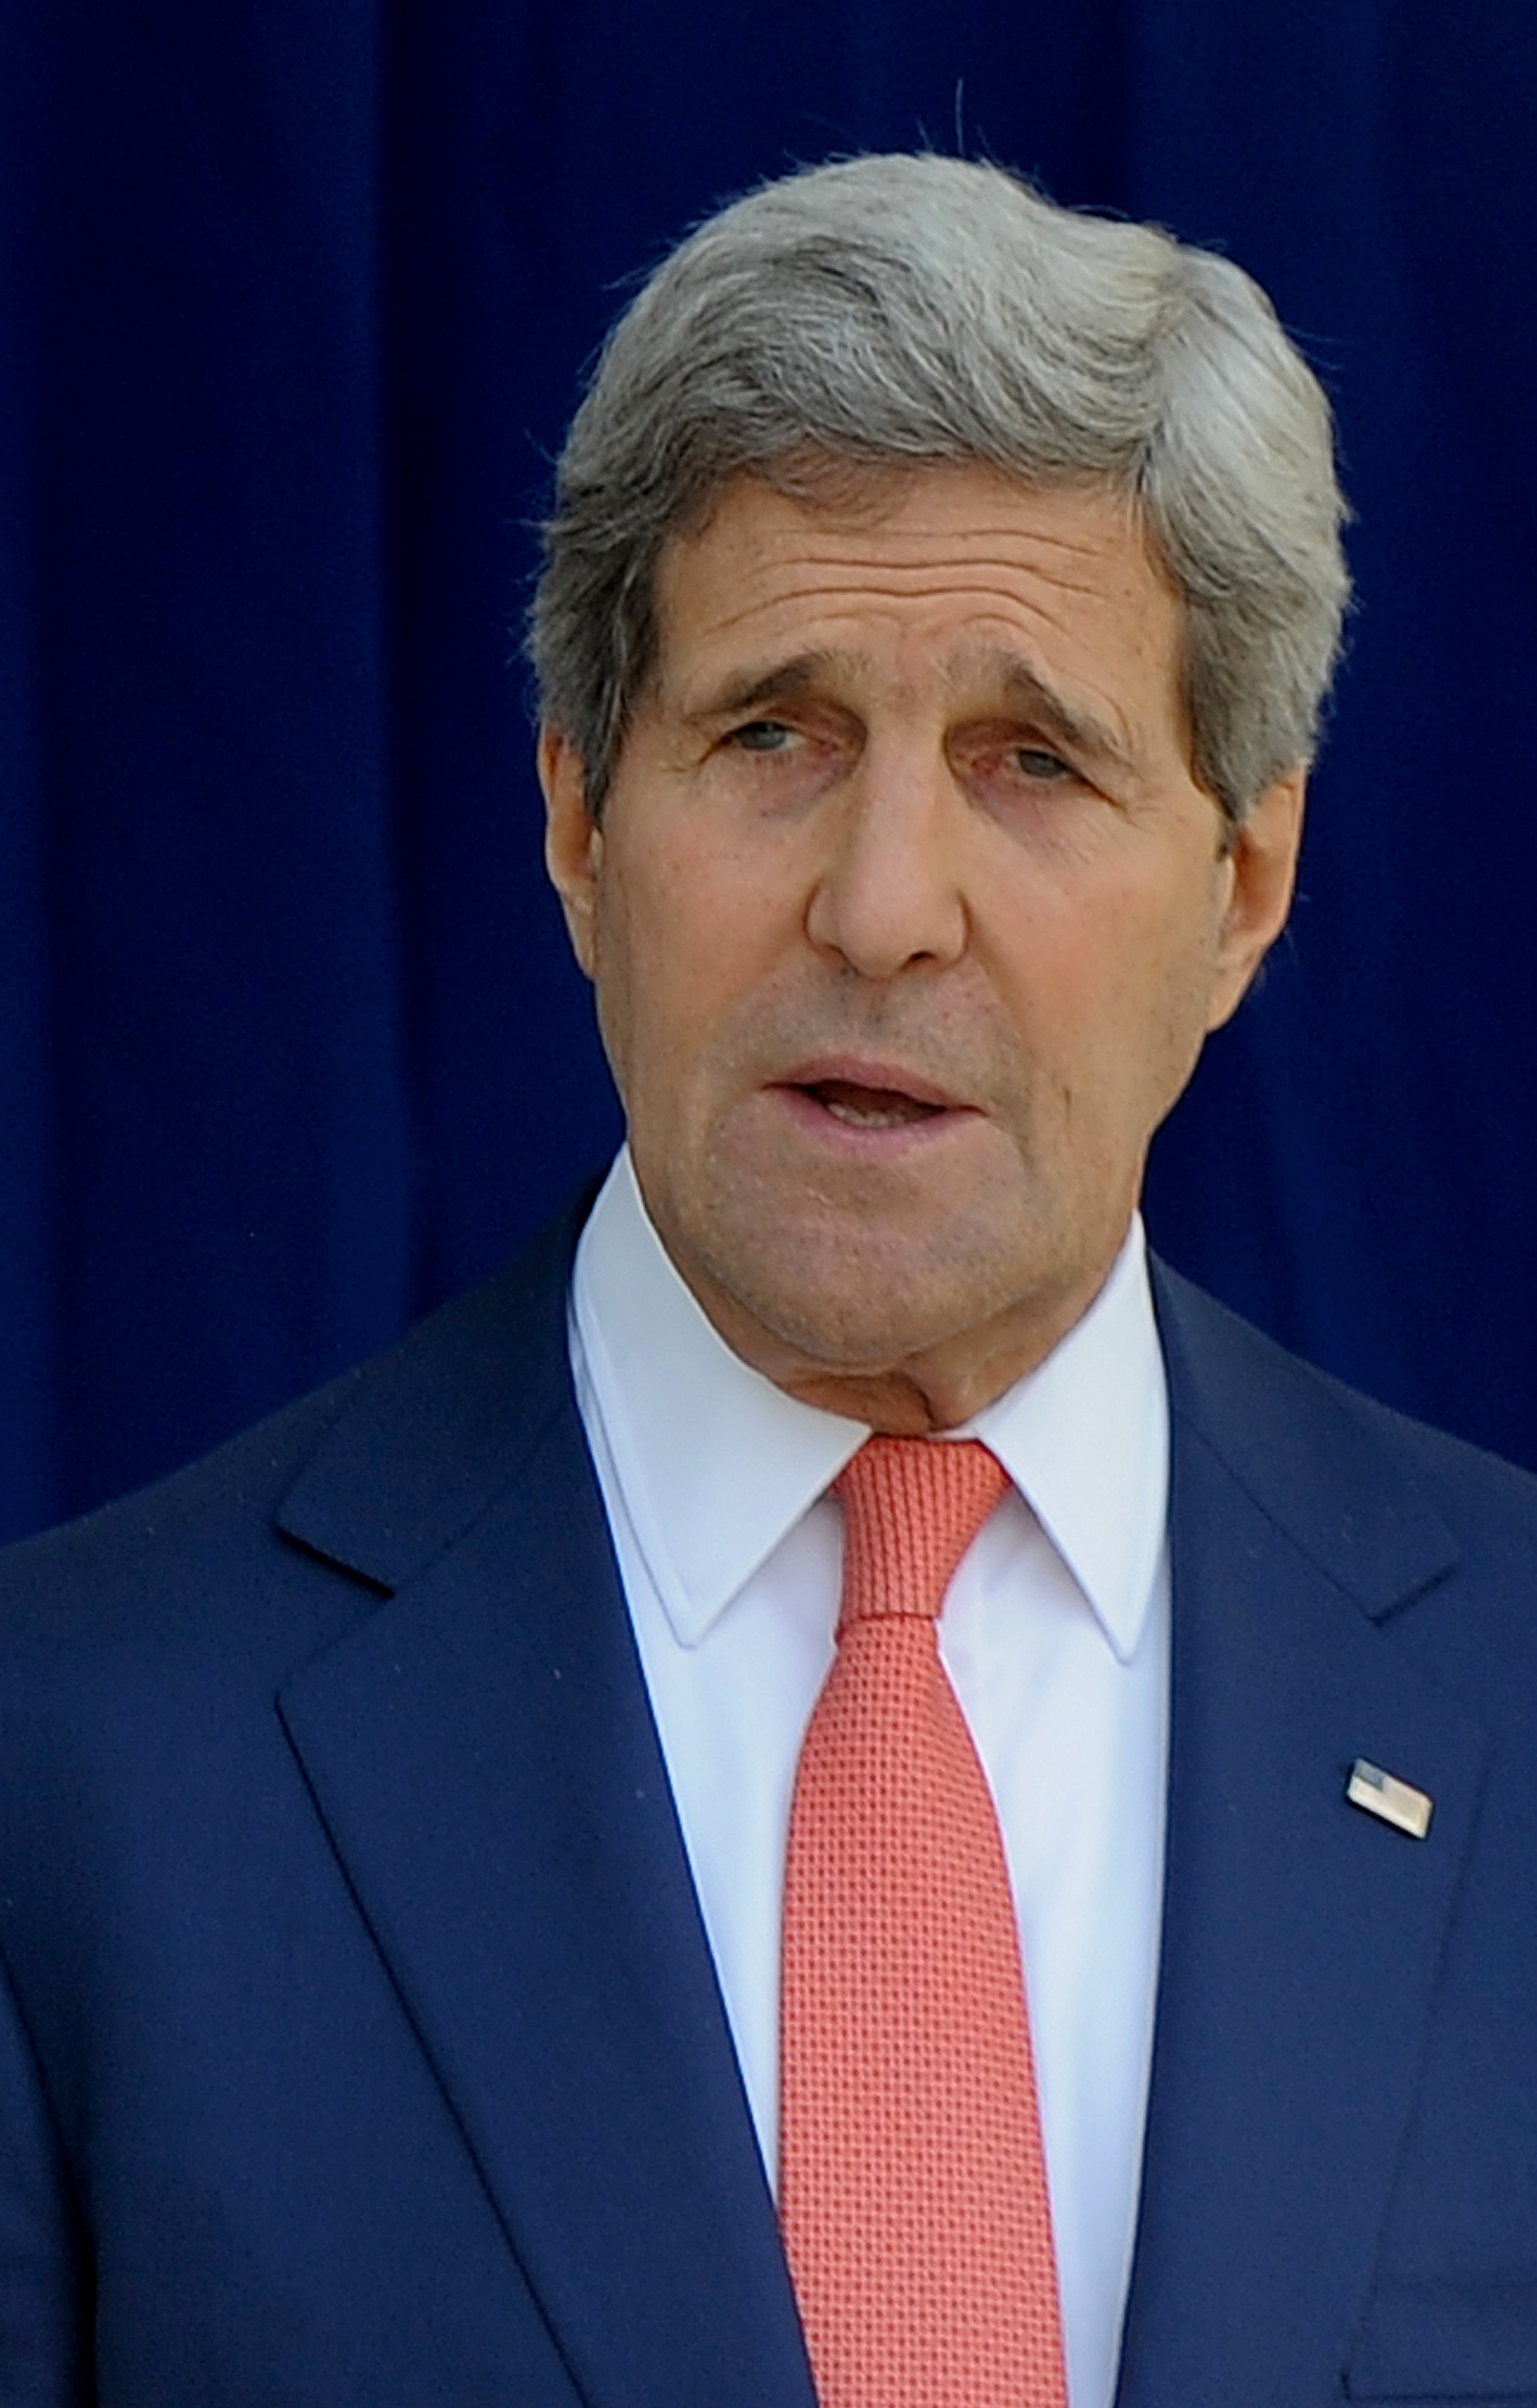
[868, 1108]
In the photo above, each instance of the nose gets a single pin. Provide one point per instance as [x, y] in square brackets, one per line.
[888, 894]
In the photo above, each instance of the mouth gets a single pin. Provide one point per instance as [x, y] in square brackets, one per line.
[868, 1108]
[870, 1097]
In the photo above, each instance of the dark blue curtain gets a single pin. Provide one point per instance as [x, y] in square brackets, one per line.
[296, 296]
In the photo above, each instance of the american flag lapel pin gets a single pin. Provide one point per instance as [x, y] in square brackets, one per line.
[1389, 1798]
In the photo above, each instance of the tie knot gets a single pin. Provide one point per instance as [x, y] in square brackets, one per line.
[912, 1507]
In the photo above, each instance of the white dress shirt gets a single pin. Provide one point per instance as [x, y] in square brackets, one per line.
[1056, 1636]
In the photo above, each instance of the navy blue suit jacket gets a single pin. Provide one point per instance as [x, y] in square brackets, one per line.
[361, 2048]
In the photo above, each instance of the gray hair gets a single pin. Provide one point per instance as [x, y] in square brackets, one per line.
[896, 310]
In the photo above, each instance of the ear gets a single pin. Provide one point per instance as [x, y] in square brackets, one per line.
[573, 841]
[1261, 866]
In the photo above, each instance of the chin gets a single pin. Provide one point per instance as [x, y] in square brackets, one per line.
[863, 1304]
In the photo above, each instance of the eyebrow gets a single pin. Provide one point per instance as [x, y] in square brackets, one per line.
[1021, 688]
[1083, 731]
[788, 681]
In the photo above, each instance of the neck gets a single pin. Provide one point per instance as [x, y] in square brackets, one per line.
[936, 1390]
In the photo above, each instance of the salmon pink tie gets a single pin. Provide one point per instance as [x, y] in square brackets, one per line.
[912, 2188]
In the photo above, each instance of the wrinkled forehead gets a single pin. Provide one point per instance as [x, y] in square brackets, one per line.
[871, 490]
[832, 490]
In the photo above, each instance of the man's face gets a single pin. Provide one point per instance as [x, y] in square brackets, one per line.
[907, 920]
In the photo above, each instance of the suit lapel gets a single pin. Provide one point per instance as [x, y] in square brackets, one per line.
[481, 1751]
[1300, 1936]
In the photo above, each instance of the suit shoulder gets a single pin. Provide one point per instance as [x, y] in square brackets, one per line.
[211, 1530]
[234, 1486]
[1429, 1536]
[1251, 1394]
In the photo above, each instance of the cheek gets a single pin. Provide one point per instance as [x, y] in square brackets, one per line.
[709, 916]
[665, 951]
[1168, 1007]
[1110, 1003]
[620, 972]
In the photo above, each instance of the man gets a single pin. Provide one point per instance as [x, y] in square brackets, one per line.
[401, 1820]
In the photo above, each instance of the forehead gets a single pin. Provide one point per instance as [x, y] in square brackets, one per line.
[922, 573]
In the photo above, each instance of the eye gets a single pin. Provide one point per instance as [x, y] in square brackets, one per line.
[1035, 761]
[1018, 770]
[761, 736]
[1015, 754]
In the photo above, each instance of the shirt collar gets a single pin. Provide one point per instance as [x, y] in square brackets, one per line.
[716, 1465]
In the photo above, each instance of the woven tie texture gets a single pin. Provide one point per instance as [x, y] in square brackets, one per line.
[912, 2187]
